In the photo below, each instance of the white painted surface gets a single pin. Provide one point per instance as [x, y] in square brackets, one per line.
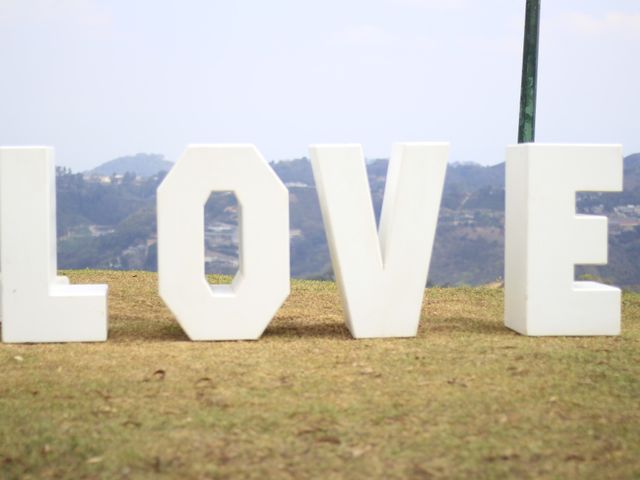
[545, 239]
[37, 305]
[243, 309]
[382, 276]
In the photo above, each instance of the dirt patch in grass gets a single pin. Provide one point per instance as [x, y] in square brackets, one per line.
[467, 398]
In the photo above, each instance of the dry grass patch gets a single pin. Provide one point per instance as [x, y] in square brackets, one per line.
[467, 398]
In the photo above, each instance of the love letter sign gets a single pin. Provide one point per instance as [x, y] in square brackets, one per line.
[381, 273]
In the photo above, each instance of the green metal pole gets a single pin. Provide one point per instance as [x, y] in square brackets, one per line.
[527, 125]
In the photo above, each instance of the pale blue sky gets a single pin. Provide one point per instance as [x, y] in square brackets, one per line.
[100, 79]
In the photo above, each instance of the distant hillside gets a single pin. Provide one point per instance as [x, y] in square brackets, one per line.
[632, 172]
[294, 171]
[460, 176]
[141, 164]
[112, 224]
[472, 176]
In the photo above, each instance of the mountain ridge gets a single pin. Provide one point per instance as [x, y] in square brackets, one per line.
[112, 224]
[140, 164]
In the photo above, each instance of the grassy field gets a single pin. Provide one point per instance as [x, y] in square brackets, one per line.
[467, 398]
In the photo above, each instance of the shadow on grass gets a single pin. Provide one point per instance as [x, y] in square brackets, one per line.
[464, 325]
[289, 329]
[292, 328]
[143, 330]
[135, 331]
